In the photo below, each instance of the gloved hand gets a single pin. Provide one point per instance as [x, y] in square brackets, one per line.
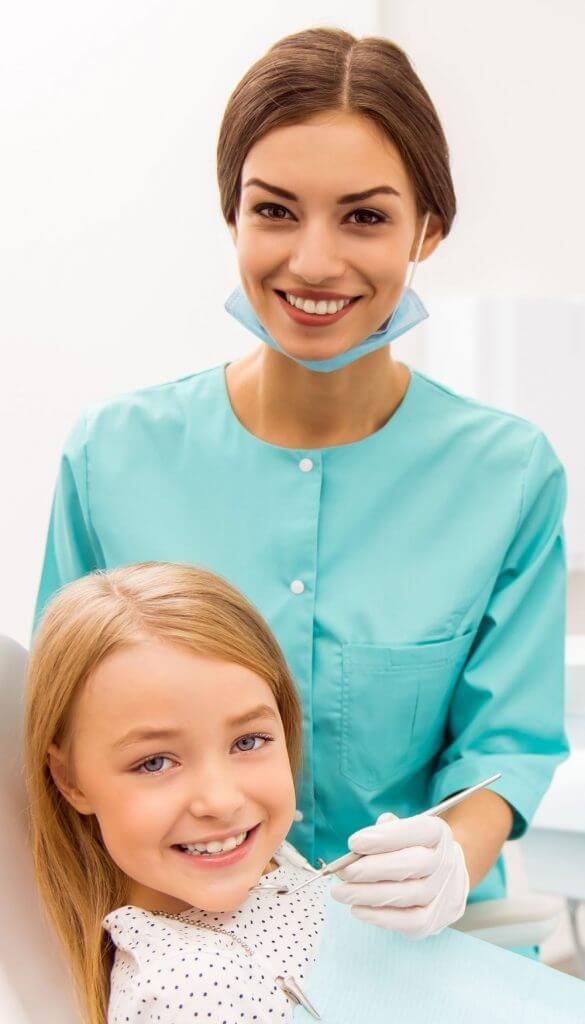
[413, 880]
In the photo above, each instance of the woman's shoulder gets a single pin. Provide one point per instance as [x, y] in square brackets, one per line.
[464, 407]
[159, 405]
[472, 425]
[157, 400]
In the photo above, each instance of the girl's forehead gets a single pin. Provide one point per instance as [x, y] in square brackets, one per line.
[167, 678]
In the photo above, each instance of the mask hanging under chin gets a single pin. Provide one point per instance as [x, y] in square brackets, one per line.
[409, 312]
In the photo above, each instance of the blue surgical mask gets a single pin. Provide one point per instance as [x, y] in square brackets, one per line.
[409, 312]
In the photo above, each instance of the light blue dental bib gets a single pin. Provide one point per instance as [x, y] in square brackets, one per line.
[409, 312]
[363, 973]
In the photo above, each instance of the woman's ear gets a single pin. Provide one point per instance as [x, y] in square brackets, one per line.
[59, 769]
[433, 236]
[233, 230]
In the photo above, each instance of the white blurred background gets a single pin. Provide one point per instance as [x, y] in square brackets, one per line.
[115, 261]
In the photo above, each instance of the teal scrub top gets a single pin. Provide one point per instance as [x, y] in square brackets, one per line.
[415, 580]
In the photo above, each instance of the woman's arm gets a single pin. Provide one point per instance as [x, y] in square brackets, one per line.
[71, 547]
[481, 825]
[506, 715]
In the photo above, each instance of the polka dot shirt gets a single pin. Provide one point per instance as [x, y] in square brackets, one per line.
[169, 971]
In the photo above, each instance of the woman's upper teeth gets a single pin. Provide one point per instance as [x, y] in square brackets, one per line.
[215, 847]
[320, 306]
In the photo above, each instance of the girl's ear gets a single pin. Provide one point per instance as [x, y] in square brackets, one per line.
[59, 769]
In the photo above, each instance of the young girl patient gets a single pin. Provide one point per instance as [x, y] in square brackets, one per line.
[163, 734]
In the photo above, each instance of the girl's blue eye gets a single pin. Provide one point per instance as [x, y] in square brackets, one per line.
[248, 742]
[152, 765]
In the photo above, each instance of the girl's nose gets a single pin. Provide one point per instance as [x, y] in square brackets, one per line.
[215, 795]
[315, 256]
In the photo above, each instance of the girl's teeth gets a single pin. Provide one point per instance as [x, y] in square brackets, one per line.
[195, 849]
[321, 307]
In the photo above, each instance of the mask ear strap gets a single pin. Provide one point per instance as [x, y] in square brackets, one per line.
[418, 250]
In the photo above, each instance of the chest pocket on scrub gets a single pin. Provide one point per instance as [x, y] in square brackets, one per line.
[394, 704]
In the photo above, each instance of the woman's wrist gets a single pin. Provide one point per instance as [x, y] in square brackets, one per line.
[481, 826]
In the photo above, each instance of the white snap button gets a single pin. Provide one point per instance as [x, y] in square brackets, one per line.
[297, 586]
[298, 815]
[306, 465]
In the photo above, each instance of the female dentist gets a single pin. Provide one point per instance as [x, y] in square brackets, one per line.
[404, 543]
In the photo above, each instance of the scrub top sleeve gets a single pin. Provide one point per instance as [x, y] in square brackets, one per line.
[507, 710]
[71, 549]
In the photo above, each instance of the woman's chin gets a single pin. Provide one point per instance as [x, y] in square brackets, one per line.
[315, 352]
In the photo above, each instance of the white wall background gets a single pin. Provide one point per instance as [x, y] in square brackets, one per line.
[115, 262]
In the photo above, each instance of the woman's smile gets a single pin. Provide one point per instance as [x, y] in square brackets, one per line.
[313, 317]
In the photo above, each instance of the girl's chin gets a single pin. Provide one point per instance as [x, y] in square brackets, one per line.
[232, 898]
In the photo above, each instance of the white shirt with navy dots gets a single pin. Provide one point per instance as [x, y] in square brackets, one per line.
[168, 971]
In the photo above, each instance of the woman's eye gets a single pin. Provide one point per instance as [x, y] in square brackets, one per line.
[368, 213]
[374, 218]
[152, 766]
[270, 206]
[247, 743]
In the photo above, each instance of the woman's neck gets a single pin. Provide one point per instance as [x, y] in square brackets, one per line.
[287, 405]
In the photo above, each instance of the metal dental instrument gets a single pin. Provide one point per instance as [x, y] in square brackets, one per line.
[350, 858]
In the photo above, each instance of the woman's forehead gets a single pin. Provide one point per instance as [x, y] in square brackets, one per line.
[336, 156]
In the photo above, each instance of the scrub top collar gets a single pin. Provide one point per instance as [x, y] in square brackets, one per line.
[404, 413]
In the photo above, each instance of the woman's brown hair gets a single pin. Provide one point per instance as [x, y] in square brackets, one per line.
[327, 69]
[87, 620]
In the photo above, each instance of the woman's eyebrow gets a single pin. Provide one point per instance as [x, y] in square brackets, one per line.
[351, 197]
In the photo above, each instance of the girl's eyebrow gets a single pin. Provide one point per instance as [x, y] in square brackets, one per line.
[154, 733]
[351, 197]
[146, 733]
[262, 711]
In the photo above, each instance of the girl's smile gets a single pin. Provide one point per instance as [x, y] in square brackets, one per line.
[215, 859]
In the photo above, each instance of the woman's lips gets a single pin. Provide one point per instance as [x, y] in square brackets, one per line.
[220, 860]
[314, 319]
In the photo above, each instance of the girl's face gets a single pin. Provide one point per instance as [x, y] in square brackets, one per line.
[302, 228]
[173, 751]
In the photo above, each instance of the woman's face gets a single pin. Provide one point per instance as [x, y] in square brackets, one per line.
[171, 749]
[318, 239]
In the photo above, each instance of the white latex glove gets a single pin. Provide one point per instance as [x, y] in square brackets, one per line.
[413, 880]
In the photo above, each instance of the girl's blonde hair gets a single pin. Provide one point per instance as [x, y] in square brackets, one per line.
[86, 621]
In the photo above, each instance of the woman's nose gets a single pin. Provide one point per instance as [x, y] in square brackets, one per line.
[315, 256]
